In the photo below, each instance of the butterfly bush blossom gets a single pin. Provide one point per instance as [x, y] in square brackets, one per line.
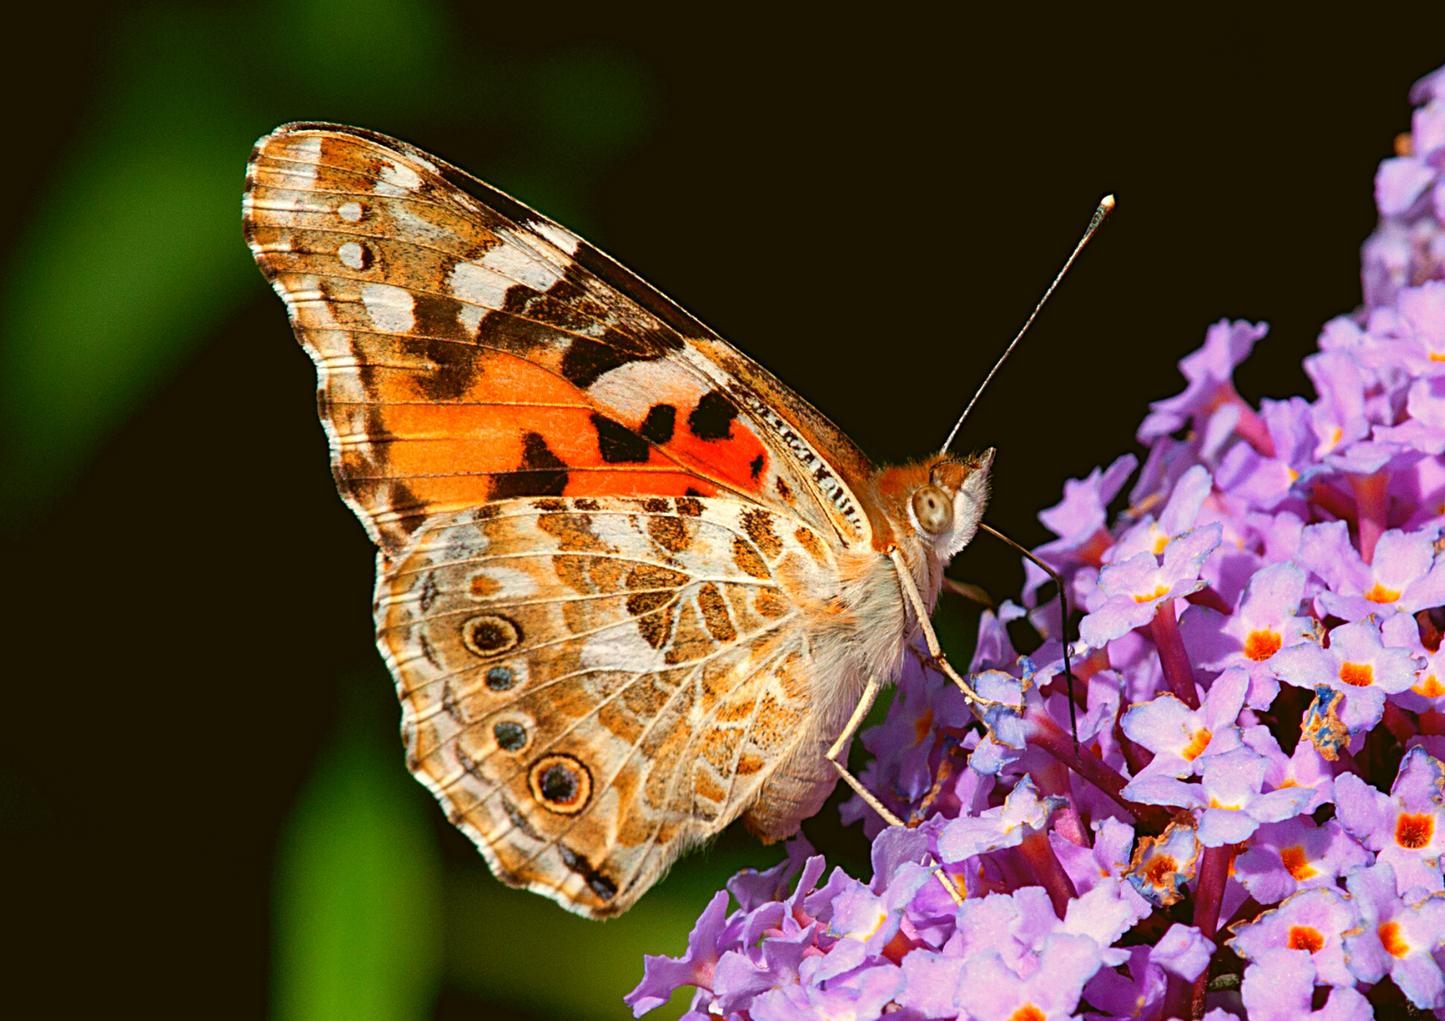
[1254, 819]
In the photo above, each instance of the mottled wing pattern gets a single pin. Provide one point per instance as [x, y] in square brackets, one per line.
[469, 349]
[593, 685]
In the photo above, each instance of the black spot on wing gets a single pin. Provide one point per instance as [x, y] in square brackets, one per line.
[410, 510]
[617, 443]
[712, 419]
[587, 360]
[660, 422]
[603, 887]
[542, 472]
[454, 364]
[756, 467]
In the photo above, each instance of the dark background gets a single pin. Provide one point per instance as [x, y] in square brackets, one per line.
[204, 806]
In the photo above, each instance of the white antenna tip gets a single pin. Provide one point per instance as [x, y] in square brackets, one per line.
[1107, 202]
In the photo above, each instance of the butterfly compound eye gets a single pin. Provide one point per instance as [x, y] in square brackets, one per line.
[933, 509]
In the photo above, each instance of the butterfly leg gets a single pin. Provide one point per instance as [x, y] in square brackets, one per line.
[935, 650]
[838, 754]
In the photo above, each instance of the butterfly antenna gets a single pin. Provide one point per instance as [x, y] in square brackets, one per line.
[1064, 623]
[1106, 206]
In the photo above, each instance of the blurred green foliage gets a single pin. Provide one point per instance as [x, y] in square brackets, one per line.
[358, 891]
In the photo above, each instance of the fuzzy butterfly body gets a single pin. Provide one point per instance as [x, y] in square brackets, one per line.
[630, 586]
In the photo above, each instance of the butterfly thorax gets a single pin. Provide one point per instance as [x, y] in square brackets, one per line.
[928, 510]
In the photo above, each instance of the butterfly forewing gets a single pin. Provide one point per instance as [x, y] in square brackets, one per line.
[591, 686]
[468, 355]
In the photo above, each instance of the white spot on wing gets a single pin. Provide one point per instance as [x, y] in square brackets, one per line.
[390, 308]
[479, 290]
[620, 647]
[479, 285]
[559, 236]
[302, 294]
[635, 387]
[396, 180]
[306, 152]
[350, 255]
[511, 261]
[349, 211]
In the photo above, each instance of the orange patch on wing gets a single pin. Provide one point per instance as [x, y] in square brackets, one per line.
[621, 482]
[737, 457]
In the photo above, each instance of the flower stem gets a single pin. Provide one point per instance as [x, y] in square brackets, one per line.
[1177, 670]
[1333, 500]
[1398, 722]
[1042, 732]
[1210, 598]
[1252, 428]
[1048, 871]
[1208, 896]
[1053, 778]
[1371, 498]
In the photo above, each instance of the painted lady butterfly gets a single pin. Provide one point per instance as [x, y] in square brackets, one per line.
[631, 586]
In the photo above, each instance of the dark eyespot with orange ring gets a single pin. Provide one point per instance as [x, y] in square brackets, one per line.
[933, 509]
[490, 634]
[560, 784]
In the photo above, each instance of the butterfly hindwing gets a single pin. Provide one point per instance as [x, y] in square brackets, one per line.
[593, 685]
[470, 350]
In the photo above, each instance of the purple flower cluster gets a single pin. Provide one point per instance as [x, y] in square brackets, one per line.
[1253, 821]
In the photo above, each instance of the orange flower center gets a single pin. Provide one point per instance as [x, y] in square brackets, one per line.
[1379, 594]
[1160, 868]
[1092, 552]
[1260, 645]
[1194, 748]
[1297, 863]
[1302, 937]
[1437, 356]
[1028, 1012]
[1158, 593]
[1359, 675]
[923, 725]
[1394, 943]
[1429, 686]
[1414, 831]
